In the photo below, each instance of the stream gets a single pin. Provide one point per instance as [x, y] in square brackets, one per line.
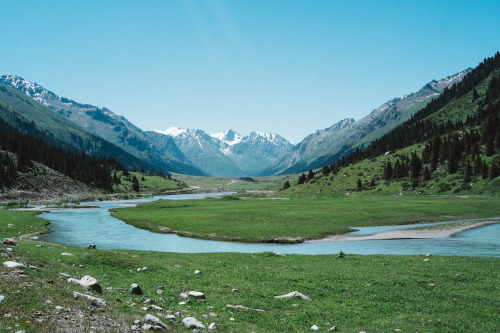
[81, 227]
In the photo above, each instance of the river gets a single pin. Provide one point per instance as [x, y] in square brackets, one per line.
[81, 227]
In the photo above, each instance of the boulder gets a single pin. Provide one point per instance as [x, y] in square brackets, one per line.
[90, 283]
[192, 322]
[13, 264]
[135, 289]
[9, 241]
[91, 246]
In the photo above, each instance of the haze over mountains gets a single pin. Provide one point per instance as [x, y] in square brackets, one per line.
[192, 151]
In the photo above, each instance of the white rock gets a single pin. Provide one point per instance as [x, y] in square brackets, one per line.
[155, 320]
[197, 272]
[196, 294]
[90, 283]
[314, 328]
[182, 303]
[191, 322]
[92, 298]
[212, 326]
[294, 294]
[67, 254]
[13, 264]
[232, 319]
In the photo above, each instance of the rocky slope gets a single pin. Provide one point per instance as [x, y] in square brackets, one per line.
[328, 145]
[107, 125]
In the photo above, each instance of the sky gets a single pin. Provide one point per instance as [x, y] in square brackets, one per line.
[287, 67]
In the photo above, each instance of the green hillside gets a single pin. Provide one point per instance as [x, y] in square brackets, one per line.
[451, 146]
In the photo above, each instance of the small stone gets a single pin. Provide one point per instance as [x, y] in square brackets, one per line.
[279, 254]
[144, 269]
[135, 289]
[148, 327]
[92, 246]
[294, 294]
[197, 331]
[314, 328]
[183, 303]
[13, 264]
[147, 301]
[156, 307]
[212, 326]
[155, 320]
[145, 308]
[197, 272]
[334, 328]
[196, 294]
[234, 290]
[426, 259]
[9, 249]
[39, 245]
[9, 241]
[160, 287]
[171, 317]
[65, 275]
[431, 284]
[2, 298]
[67, 254]
[178, 314]
[60, 308]
[49, 302]
[428, 255]
[192, 322]
[159, 291]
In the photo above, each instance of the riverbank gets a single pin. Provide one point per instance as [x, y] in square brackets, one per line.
[298, 220]
[438, 231]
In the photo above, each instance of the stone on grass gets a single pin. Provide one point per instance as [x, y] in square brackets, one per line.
[212, 326]
[192, 322]
[2, 298]
[196, 294]
[295, 294]
[90, 283]
[197, 272]
[154, 320]
[9, 241]
[314, 328]
[99, 301]
[67, 254]
[13, 264]
[91, 246]
[135, 289]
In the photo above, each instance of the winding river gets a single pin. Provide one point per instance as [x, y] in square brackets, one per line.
[81, 227]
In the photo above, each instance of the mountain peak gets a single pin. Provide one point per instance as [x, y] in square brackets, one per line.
[229, 136]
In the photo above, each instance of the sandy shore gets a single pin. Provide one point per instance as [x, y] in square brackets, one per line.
[438, 231]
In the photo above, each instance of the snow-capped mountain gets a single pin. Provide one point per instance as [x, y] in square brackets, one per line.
[227, 153]
[107, 125]
[328, 145]
[229, 137]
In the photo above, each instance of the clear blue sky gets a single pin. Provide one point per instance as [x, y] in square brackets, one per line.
[287, 67]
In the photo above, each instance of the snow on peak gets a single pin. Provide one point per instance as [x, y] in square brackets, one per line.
[172, 131]
[229, 137]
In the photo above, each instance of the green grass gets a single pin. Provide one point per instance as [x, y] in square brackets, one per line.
[209, 184]
[358, 293]
[297, 219]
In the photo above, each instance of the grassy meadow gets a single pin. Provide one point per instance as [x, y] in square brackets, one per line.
[378, 293]
[297, 219]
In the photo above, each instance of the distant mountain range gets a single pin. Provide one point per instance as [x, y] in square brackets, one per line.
[227, 153]
[192, 151]
[183, 151]
[328, 145]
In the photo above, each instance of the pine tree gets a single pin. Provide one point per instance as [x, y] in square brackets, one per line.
[468, 173]
[310, 175]
[135, 184]
[388, 172]
[359, 185]
[426, 174]
[326, 170]
[286, 185]
[415, 166]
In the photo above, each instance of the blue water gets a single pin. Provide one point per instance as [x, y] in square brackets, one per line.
[81, 227]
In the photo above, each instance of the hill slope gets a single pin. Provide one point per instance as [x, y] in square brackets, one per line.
[328, 145]
[103, 123]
